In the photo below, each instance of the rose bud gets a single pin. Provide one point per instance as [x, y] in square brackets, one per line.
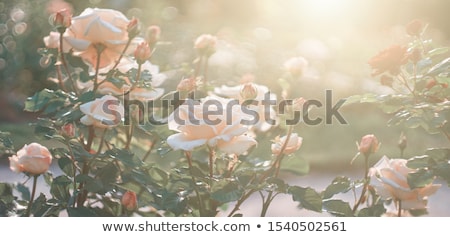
[415, 28]
[415, 55]
[248, 92]
[62, 19]
[369, 144]
[129, 200]
[34, 159]
[430, 83]
[68, 130]
[133, 28]
[187, 84]
[142, 52]
[206, 44]
[153, 34]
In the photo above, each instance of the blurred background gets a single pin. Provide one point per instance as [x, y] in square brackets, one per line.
[337, 37]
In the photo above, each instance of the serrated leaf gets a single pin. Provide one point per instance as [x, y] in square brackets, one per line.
[60, 188]
[39, 100]
[24, 191]
[338, 208]
[439, 154]
[65, 163]
[308, 198]
[338, 185]
[375, 210]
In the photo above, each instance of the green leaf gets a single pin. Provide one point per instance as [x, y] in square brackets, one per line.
[308, 198]
[280, 185]
[24, 191]
[295, 165]
[160, 176]
[60, 188]
[229, 193]
[418, 212]
[338, 185]
[439, 154]
[65, 163]
[443, 171]
[338, 208]
[173, 202]
[375, 210]
[39, 100]
[6, 193]
[39, 206]
[91, 184]
[442, 66]
[81, 212]
[420, 178]
[437, 51]
[418, 162]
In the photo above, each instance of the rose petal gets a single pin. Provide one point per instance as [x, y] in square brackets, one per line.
[180, 141]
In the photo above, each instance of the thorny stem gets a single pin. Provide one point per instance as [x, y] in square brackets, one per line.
[366, 184]
[85, 170]
[33, 193]
[121, 55]
[197, 193]
[97, 64]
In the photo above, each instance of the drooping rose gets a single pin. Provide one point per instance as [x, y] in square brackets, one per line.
[34, 159]
[296, 66]
[98, 30]
[389, 179]
[369, 144]
[210, 122]
[104, 112]
[292, 145]
[389, 60]
[129, 200]
[266, 114]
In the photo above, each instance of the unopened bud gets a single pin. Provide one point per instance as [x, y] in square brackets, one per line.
[68, 130]
[248, 92]
[415, 56]
[153, 34]
[142, 52]
[62, 19]
[369, 144]
[415, 28]
[129, 200]
[133, 28]
[206, 44]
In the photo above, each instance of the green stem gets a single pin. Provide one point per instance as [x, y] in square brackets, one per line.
[64, 63]
[211, 166]
[366, 184]
[147, 154]
[33, 192]
[97, 64]
[197, 193]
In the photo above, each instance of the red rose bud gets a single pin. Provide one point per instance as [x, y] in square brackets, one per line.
[153, 34]
[133, 28]
[415, 56]
[68, 130]
[415, 28]
[62, 19]
[142, 52]
[129, 200]
[187, 84]
[248, 92]
[369, 144]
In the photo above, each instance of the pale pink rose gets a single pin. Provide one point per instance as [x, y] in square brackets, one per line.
[63, 18]
[389, 179]
[296, 66]
[293, 144]
[96, 29]
[129, 200]
[33, 159]
[248, 92]
[105, 112]
[222, 130]
[187, 84]
[142, 52]
[206, 44]
[262, 123]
